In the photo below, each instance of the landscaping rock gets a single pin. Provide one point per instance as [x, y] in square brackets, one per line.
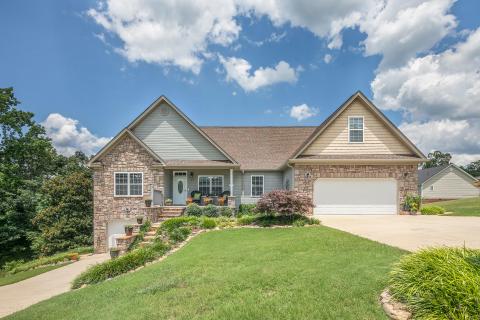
[395, 310]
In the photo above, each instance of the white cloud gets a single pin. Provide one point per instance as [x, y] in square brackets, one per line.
[302, 112]
[436, 86]
[238, 70]
[168, 32]
[327, 58]
[68, 136]
[398, 30]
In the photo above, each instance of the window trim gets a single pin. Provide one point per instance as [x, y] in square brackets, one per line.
[251, 185]
[128, 195]
[363, 129]
[210, 181]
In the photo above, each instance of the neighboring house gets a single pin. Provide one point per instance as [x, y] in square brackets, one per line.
[446, 182]
[355, 162]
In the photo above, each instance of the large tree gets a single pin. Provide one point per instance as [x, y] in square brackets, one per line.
[473, 168]
[65, 215]
[27, 157]
[437, 158]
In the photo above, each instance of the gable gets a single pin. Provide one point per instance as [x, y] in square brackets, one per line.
[378, 137]
[451, 182]
[171, 136]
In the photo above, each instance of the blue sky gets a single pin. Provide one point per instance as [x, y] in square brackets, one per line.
[93, 66]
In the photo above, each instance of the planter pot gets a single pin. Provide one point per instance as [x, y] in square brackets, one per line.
[148, 203]
[140, 220]
[114, 253]
[128, 231]
[168, 203]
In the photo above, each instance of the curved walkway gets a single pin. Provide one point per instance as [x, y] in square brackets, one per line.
[410, 232]
[20, 295]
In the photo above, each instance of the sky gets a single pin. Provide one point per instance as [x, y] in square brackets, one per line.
[87, 68]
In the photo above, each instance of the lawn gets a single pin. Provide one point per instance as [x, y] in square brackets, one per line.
[461, 207]
[6, 278]
[294, 273]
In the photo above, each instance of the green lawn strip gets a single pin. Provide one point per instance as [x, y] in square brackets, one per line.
[6, 278]
[284, 273]
[461, 207]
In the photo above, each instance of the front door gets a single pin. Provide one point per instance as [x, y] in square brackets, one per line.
[179, 187]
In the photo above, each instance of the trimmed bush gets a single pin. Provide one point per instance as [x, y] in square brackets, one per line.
[177, 222]
[208, 223]
[120, 265]
[210, 211]
[439, 283]
[244, 209]
[412, 203]
[226, 222]
[284, 203]
[193, 209]
[432, 210]
[225, 211]
[179, 234]
[246, 220]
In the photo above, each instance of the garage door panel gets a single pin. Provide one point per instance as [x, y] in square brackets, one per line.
[355, 196]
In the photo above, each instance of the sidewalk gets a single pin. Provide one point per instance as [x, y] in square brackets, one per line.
[20, 295]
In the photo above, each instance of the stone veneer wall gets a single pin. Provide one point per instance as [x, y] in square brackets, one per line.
[406, 175]
[126, 156]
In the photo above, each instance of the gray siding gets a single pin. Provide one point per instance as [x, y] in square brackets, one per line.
[273, 180]
[172, 137]
[288, 179]
[449, 184]
[192, 182]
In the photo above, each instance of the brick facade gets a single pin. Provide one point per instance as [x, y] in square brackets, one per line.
[126, 156]
[406, 176]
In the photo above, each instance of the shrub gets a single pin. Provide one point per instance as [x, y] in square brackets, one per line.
[210, 211]
[299, 223]
[120, 265]
[43, 261]
[179, 234]
[412, 203]
[285, 203]
[193, 209]
[177, 222]
[208, 223]
[225, 211]
[432, 210]
[439, 283]
[244, 209]
[226, 222]
[246, 220]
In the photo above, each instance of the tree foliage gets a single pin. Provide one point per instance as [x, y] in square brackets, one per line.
[29, 167]
[473, 168]
[285, 203]
[437, 159]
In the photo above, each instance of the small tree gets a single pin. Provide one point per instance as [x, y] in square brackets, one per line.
[285, 203]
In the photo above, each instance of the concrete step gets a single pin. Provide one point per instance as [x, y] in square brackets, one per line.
[144, 243]
[150, 233]
[147, 238]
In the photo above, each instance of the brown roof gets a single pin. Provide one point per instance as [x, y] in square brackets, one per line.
[259, 148]
[199, 163]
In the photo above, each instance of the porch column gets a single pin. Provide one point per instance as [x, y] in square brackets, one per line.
[231, 182]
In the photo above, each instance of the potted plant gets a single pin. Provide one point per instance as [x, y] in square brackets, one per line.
[148, 201]
[139, 219]
[128, 230]
[168, 202]
[114, 252]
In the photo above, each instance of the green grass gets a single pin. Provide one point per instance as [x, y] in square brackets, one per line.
[294, 273]
[439, 283]
[461, 207]
[6, 278]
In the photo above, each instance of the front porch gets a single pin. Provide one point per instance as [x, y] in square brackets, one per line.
[182, 186]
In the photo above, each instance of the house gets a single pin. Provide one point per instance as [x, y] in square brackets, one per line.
[446, 182]
[355, 162]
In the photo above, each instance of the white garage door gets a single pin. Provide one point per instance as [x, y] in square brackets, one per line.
[116, 228]
[355, 196]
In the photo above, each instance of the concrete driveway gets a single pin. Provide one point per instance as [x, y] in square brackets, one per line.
[410, 232]
[18, 296]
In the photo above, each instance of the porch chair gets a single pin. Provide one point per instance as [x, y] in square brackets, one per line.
[196, 196]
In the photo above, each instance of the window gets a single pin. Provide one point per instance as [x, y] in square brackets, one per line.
[128, 183]
[210, 185]
[257, 186]
[355, 129]
[431, 188]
